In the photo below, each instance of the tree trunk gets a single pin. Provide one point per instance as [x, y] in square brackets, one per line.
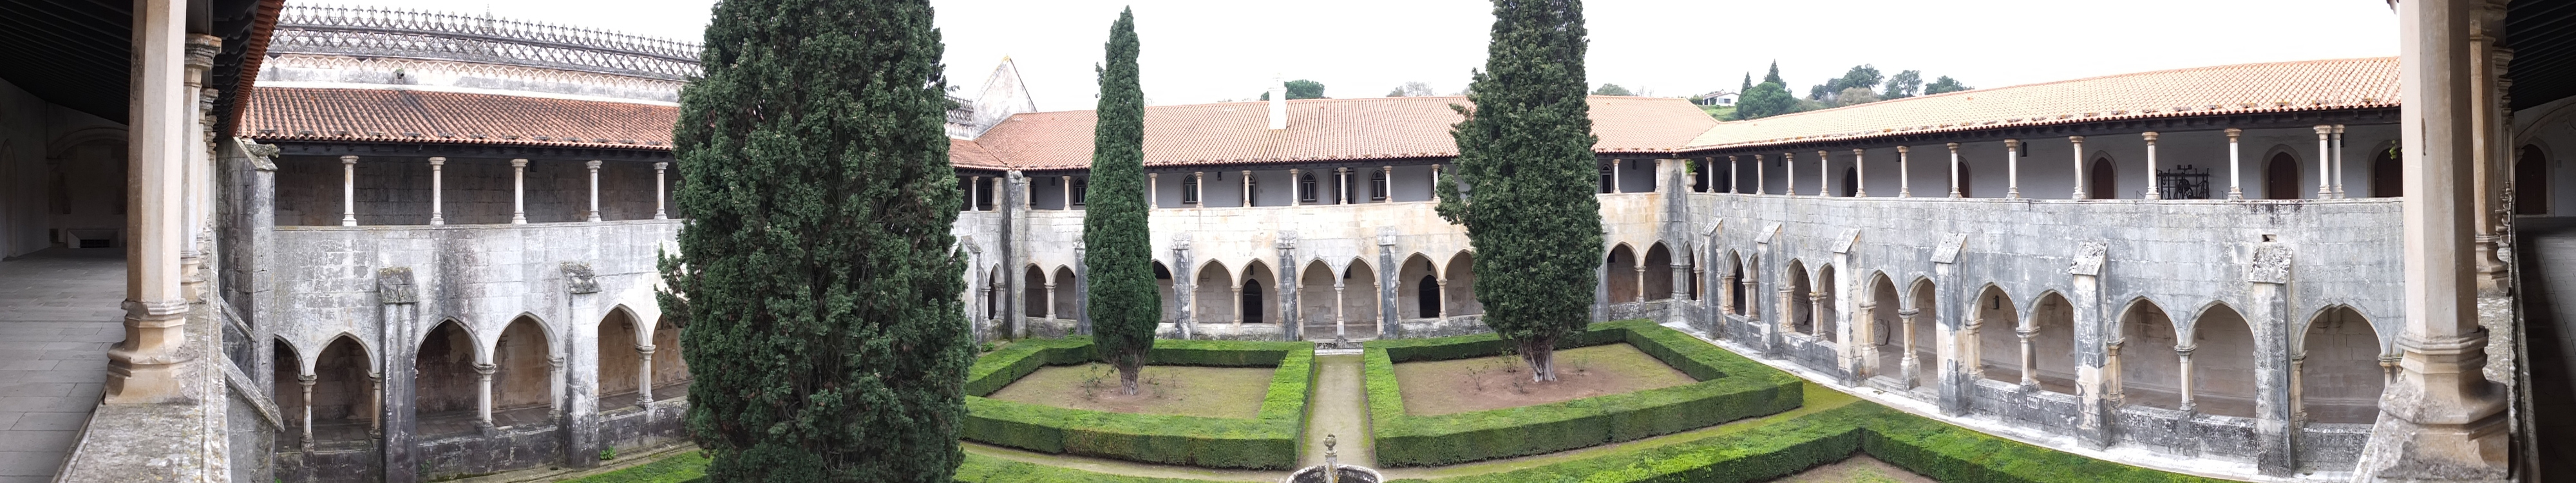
[1541, 356]
[1129, 365]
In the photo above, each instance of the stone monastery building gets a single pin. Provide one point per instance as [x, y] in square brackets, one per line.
[391, 246]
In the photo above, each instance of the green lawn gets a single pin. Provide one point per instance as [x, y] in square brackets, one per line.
[686, 467]
[1719, 112]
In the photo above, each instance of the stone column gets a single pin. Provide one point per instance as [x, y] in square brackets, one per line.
[2012, 169]
[662, 194]
[2182, 354]
[1641, 279]
[348, 191]
[483, 393]
[1296, 188]
[2029, 359]
[1816, 310]
[2080, 180]
[1758, 182]
[1904, 174]
[144, 368]
[1387, 185]
[1824, 173]
[2235, 165]
[1340, 329]
[1386, 272]
[1614, 177]
[1247, 188]
[1734, 171]
[1067, 181]
[2325, 160]
[1049, 298]
[1292, 310]
[1444, 298]
[2442, 419]
[1954, 336]
[1906, 365]
[1198, 187]
[375, 403]
[1184, 285]
[2338, 161]
[594, 189]
[1342, 184]
[2095, 413]
[1236, 300]
[1681, 279]
[1954, 170]
[1860, 174]
[2154, 190]
[437, 190]
[518, 191]
[644, 379]
[1153, 187]
[1791, 161]
[306, 443]
[2489, 143]
[975, 192]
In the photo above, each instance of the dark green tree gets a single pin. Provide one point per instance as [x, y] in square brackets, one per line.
[1748, 85]
[1764, 100]
[1612, 90]
[1944, 84]
[1301, 89]
[1525, 179]
[816, 278]
[1902, 85]
[1774, 76]
[1124, 304]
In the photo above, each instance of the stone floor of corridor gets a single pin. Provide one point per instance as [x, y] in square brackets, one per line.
[58, 315]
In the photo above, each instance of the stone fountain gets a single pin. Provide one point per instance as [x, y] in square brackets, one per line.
[1333, 471]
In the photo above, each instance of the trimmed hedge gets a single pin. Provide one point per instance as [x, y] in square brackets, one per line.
[1267, 441]
[987, 469]
[1731, 388]
[1786, 447]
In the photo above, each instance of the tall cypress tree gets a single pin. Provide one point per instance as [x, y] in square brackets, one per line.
[816, 277]
[1124, 303]
[1526, 174]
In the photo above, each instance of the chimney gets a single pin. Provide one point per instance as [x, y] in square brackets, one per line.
[1278, 104]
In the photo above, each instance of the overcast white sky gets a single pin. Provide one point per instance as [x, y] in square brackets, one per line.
[1197, 51]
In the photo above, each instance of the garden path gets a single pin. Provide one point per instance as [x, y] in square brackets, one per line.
[1338, 405]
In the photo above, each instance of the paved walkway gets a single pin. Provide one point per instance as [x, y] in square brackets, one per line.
[58, 316]
[1338, 406]
[2547, 253]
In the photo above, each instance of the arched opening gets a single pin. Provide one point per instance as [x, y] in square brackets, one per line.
[1998, 349]
[1063, 298]
[1163, 288]
[2339, 375]
[1315, 301]
[2222, 358]
[670, 364]
[1033, 292]
[1257, 283]
[1359, 300]
[2281, 177]
[1417, 289]
[2052, 343]
[1886, 329]
[444, 382]
[1658, 269]
[343, 402]
[286, 386]
[1462, 285]
[2530, 182]
[1967, 182]
[1214, 295]
[619, 360]
[993, 291]
[1306, 188]
[1851, 183]
[1735, 284]
[2387, 174]
[2103, 179]
[1621, 268]
[1795, 309]
[1828, 316]
[523, 379]
[2150, 370]
[1924, 347]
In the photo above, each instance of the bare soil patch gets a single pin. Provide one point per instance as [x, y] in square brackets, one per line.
[1859, 469]
[1486, 383]
[1216, 392]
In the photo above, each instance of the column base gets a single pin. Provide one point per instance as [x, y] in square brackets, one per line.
[2405, 451]
[144, 368]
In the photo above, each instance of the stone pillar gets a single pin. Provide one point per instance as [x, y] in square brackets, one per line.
[145, 366]
[594, 189]
[2325, 160]
[1954, 170]
[1860, 173]
[1791, 161]
[1236, 301]
[376, 403]
[1153, 187]
[644, 380]
[1904, 173]
[483, 393]
[975, 192]
[1081, 289]
[519, 191]
[1340, 325]
[437, 190]
[2012, 169]
[1247, 188]
[1734, 171]
[1641, 278]
[1387, 185]
[1386, 273]
[2267, 311]
[1292, 311]
[2442, 419]
[2235, 165]
[2029, 360]
[1614, 177]
[1067, 181]
[2338, 161]
[2080, 180]
[348, 191]
[1954, 336]
[1824, 174]
[2489, 158]
[1444, 298]
[1296, 188]
[1184, 285]
[2095, 413]
[1681, 278]
[1906, 365]
[1049, 298]
[1758, 181]
[1198, 187]
[2182, 354]
[306, 442]
[2154, 189]
[662, 194]
[1342, 183]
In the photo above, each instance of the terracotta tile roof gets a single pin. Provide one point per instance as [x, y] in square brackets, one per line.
[1319, 130]
[414, 116]
[966, 154]
[2199, 91]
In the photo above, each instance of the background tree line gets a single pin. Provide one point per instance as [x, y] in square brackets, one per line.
[1861, 85]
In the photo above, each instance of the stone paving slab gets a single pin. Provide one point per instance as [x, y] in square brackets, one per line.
[59, 315]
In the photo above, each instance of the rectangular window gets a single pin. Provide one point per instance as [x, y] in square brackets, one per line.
[1377, 186]
[1306, 188]
[1081, 186]
[1190, 190]
[1605, 178]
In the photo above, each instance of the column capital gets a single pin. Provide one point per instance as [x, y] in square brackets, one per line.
[2232, 133]
[305, 379]
[1901, 149]
[2149, 135]
[658, 166]
[2338, 129]
[437, 160]
[2010, 144]
[1731, 158]
[1147, 175]
[1856, 152]
[485, 370]
[1788, 156]
[1954, 147]
[1822, 153]
[2324, 130]
[2075, 139]
[348, 160]
[201, 51]
[593, 164]
[519, 163]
